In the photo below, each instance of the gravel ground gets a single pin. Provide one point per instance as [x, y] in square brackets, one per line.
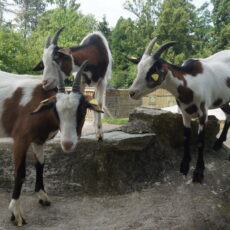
[174, 203]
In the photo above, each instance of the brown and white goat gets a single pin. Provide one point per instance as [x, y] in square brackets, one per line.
[93, 48]
[31, 116]
[198, 85]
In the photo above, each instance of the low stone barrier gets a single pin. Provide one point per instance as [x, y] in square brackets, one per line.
[127, 159]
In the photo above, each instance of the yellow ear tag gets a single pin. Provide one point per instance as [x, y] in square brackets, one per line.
[155, 76]
[44, 101]
[94, 102]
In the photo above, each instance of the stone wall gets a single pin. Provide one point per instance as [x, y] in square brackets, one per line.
[129, 158]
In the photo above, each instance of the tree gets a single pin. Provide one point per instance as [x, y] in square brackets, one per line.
[77, 26]
[203, 30]
[103, 26]
[64, 4]
[28, 14]
[221, 21]
[177, 25]
[147, 13]
[14, 55]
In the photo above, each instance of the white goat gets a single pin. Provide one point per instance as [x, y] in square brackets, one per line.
[199, 84]
[93, 48]
[31, 115]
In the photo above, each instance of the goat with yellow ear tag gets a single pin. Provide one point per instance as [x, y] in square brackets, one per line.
[155, 76]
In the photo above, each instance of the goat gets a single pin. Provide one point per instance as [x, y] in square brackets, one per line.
[198, 85]
[95, 49]
[31, 116]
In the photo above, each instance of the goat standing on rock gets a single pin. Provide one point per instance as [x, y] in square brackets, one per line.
[31, 115]
[93, 48]
[198, 85]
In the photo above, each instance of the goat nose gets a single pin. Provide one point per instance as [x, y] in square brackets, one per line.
[67, 145]
[131, 93]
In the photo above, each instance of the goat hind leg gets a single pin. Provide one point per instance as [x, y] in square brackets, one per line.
[223, 136]
[184, 166]
[100, 94]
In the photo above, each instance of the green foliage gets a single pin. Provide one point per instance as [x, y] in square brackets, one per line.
[77, 26]
[103, 26]
[115, 121]
[198, 32]
[221, 20]
[28, 13]
[14, 55]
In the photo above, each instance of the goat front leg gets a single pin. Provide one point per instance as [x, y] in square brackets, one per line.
[20, 149]
[39, 166]
[184, 166]
[198, 174]
[99, 95]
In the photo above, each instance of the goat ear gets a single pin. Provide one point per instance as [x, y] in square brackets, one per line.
[93, 104]
[45, 105]
[39, 66]
[65, 51]
[133, 59]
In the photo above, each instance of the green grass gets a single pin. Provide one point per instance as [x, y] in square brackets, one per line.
[115, 121]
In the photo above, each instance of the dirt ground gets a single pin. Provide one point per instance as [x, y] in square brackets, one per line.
[174, 203]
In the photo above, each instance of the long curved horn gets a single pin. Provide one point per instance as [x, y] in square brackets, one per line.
[150, 46]
[160, 50]
[56, 35]
[47, 42]
[77, 82]
[61, 83]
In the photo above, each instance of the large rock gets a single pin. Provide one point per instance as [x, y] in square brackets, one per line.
[168, 126]
[125, 161]
[122, 162]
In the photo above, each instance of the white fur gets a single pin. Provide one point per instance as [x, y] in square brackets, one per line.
[50, 72]
[38, 151]
[139, 84]
[207, 86]
[67, 105]
[9, 83]
[42, 196]
[109, 68]
[15, 208]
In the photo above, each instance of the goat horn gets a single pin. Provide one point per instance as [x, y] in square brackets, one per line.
[48, 42]
[56, 35]
[77, 82]
[61, 83]
[160, 50]
[150, 46]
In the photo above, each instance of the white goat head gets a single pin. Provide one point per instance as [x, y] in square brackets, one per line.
[70, 110]
[150, 71]
[54, 56]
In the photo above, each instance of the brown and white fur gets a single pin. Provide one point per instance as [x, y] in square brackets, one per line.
[198, 85]
[31, 116]
[93, 48]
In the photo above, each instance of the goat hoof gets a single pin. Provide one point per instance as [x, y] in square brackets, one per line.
[99, 138]
[19, 221]
[12, 217]
[44, 202]
[217, 145]
[184, 167]
[198, 176]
